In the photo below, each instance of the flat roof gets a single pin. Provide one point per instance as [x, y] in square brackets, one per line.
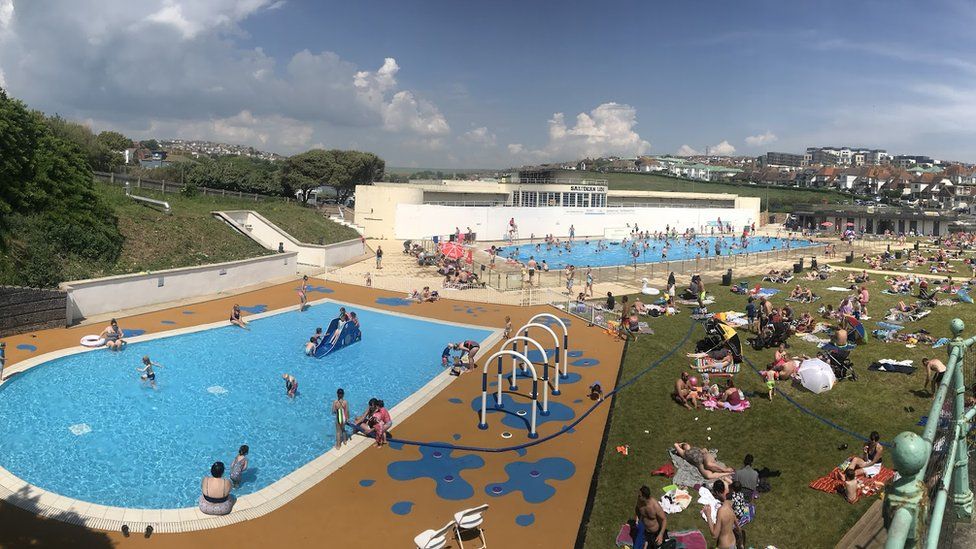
[478, 187]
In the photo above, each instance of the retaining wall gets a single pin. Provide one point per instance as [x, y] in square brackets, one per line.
[28, 309]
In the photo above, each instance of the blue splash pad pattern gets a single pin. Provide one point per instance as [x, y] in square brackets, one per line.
[167, 322]
[584, 362]
[395, 301]
[525, 520]
[402, 507]
[531, 478]
[254, 309]
[320, 289]
[27, 347]
[442, 467]
[557, 412]
[366, 482]
[571, 377]
[132, 333]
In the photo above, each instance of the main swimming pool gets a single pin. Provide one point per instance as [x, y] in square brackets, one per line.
[583, 252]
[83, 425]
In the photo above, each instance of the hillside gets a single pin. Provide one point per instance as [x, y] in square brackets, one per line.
[155, 241]
[780, 199]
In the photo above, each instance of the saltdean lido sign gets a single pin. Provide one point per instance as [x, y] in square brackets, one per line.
[587, 189]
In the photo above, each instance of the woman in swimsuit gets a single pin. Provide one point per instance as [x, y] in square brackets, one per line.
[113, 336]
[303, 293]
[706, 463]
[147, 372]
[239, 465]
[215, 498]
[871, 453]
[235, 317]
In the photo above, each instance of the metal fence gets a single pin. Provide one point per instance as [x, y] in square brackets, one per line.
[174, 187]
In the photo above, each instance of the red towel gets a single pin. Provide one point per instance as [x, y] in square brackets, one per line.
[833, 483]
[666, 470]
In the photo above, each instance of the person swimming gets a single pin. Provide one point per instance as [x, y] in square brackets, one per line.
[148, 374]
[291, 385]
[313, 342]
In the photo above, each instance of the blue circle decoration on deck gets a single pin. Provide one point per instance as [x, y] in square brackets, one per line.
[577, 401]
[168, 322]
[457, 436]
[525, 520]
[439, 469]
[394, 301]
[189, 313]
[402, 507]
[27, 347]
[585, 362]
[320, 289]
[549, 322]
[534, 489]
[132, 333]
[366, 482]
[521, 452]
[455, 401]
[511, 408]
[574, 354]
[255, 309]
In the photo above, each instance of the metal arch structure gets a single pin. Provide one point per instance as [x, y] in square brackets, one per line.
[555, 340]
[484, 388]
[545, 375]
[562, 324]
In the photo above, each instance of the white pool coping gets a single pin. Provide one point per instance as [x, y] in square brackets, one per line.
[20, 493]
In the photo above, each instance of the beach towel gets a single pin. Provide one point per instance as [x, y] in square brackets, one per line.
[889, 365]
[712, 404]
[839, 289]
[798, 300]
[644, 328]
[942, 342]
[833, 482]
[890, 326]
[708, 502]
[766, 291]
[685, 539]
[687, 474]
[675, 501]
[810, 338]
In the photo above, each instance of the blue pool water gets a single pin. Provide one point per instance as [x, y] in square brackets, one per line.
[84, 426]
[584, 252]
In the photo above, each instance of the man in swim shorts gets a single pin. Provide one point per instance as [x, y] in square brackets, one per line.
[652, 522]
[934, 372]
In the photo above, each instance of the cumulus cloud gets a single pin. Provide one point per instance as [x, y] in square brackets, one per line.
[606, 130]
[90, 62]
[722, 149]
[761, 139]
[480, 136]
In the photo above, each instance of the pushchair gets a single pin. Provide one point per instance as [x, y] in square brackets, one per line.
[839, 359]
[774, 335]
[720, 335]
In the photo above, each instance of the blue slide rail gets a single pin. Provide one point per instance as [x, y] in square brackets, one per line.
[349, 333]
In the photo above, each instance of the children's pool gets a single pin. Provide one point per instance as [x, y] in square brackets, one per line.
[84, 426]
[583, 252]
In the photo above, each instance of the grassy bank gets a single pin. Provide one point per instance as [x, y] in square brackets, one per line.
[779, 435]
[191, 236]
[780, 199]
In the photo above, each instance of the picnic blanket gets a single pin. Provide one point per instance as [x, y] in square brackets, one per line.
[687, 474]
[894, 366]
[798, 300]
[812, 339]
[685, 539]
[765, 291]
[712, 404]
[839, 289]
[644, 328]
[778, 279]
[675, 501]
[833, 482]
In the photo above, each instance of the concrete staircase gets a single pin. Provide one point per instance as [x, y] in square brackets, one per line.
[339, 214]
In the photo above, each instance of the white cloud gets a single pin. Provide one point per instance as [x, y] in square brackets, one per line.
[277, 5]
[722, 149]
[606, 130]
[3, 79]
[480, 136]
[761, 139]
[6, 14]
[244, 128]
[407, 113]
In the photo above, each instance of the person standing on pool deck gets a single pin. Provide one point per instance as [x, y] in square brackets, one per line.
[531, 266]
[379, 257]
[238, 466]
[340, 410]
[588, 289]
[469, 348]
[291, 385]
[235, 317]
[572, 232]
[303, 294]
[147, 372]
[508, 329]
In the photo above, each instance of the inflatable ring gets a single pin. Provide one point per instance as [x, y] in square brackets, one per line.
[92, 341]
[650, 291]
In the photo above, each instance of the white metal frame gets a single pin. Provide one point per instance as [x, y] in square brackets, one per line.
[484, 388]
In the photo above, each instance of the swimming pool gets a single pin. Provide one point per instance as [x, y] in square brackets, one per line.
[583, 253]
[83, 425]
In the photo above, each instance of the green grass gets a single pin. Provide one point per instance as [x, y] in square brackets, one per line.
[780, 199]
[192, 236]
[779, 435]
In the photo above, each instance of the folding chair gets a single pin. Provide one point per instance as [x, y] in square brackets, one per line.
[471, 519]
[433, 539]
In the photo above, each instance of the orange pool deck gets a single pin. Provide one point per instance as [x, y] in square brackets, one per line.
[340, 511]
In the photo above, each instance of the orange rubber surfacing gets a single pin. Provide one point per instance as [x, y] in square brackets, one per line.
[342, 512]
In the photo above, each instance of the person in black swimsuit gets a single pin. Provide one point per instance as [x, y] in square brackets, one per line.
[871, 454]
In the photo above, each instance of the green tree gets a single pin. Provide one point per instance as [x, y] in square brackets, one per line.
[341, 170]
[114, 141]
[99, 156]
[150, 144]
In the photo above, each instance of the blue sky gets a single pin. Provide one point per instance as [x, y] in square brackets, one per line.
[481, 84]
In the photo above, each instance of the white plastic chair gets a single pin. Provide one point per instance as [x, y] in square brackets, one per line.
[470, 519]
[433, 539]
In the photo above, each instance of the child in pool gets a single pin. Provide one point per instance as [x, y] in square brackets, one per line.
[291, 385]
[238, 466]
[340, 410]
[147, 372]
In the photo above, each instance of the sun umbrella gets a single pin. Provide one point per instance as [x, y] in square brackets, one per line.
[816, 375]
[856, 327]
[827, 224]
[452, 250]
[850, 223]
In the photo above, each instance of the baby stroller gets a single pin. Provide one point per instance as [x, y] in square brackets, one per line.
[717, 335]
[839, 359]
[775, 334]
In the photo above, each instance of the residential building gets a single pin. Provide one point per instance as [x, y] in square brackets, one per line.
[779, 159]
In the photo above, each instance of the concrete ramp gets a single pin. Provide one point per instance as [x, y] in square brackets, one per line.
[267, 234]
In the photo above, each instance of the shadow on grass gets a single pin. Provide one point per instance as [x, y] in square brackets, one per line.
[20, 528]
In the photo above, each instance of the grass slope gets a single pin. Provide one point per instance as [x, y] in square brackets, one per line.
[779, 435]
[191, 236]
[780, 200]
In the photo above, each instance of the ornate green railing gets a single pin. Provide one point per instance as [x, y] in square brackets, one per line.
[915, 505]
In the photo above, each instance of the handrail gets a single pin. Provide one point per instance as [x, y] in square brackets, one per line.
[903, 509]
[152, 201]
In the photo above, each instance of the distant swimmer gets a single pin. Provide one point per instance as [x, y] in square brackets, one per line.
[313, 342]
[236, 319]
[291, 385]
[148, 374]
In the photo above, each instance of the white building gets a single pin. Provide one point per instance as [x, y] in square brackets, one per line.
[422, 210]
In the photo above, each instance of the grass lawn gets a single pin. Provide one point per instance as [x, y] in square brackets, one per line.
[778, 434]
[780, 200]
[191, 236]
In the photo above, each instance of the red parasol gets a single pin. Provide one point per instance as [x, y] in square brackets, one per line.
[452, 250]
[827, 224]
